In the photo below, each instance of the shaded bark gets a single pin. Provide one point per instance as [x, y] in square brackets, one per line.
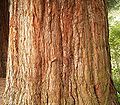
[58, 54]
[4, 28]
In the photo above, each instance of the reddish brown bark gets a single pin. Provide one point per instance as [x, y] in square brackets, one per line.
[58, 53]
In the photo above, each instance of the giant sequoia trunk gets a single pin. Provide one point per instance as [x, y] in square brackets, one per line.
[58, 53]
[3, 36]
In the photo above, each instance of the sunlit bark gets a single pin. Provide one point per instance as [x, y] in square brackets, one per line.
[58, 53]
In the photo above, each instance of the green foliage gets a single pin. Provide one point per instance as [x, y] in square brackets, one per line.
[114, 23]
[113, 4]
[118, 94]
[115, 51]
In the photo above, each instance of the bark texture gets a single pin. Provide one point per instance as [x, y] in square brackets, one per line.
[4, 28]
[58, 53]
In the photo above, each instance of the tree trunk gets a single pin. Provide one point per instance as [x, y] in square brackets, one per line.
[4, 28]
[58, 53]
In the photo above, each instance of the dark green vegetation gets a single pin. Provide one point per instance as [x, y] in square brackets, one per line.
[113, 4]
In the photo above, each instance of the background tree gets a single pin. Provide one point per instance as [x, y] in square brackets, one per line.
[59, 54]
[4, 28]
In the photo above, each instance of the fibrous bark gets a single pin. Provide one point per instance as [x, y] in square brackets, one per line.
[4, 28]
[58, 53]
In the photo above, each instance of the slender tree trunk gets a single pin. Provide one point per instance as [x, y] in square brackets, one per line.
[58, 53]
[4, 28]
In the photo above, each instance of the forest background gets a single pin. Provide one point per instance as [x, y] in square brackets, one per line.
[114, 38]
